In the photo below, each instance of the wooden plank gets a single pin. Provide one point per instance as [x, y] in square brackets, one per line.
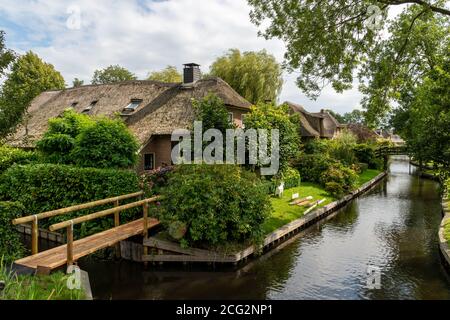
[57, 257]
[102, 214]
[184, 258]
[174, 247]
[89, 205]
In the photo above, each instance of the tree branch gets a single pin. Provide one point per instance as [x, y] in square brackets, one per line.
[422, 3]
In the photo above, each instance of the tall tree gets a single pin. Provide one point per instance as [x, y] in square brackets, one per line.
[328, 41]
[29, 77]
[112, 74]
[354, 117]
[256, 76]
[6, 56]
[77, 82]
[169, 74]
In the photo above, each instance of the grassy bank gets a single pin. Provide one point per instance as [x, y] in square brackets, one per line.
[285, 213]
[447, 232]
[53, 287]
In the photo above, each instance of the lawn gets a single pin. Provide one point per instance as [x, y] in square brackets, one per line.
[366, 176]
[447, 232]
[285, 213]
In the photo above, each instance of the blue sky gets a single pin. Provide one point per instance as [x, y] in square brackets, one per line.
[143, 36]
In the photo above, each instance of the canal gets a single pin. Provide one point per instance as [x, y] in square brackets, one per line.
[392, 228]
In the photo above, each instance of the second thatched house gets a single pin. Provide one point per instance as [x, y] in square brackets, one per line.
[316, 125]
[152, 110]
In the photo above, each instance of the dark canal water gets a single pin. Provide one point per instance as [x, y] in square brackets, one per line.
[393, 228]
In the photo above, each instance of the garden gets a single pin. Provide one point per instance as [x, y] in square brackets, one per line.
[82, 159]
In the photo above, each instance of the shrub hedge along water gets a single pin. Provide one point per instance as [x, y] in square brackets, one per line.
[45, 187]
[217, 203]
[11, 247]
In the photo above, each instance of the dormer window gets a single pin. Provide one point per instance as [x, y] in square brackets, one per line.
[134, 104]
[89, 107]
[74, 104]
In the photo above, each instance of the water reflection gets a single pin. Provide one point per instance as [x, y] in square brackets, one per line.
[393, 227]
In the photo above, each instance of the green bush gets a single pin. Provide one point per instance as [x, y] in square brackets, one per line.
[11, 247]
[365, 153]
[341, 148]
[338, 179]
[89, 142]
[59, 140]
[311, 166]
[10, 156]
[45, 187]
[106, 144]
[217, 203]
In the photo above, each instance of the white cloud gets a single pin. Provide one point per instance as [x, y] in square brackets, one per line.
[144, 36]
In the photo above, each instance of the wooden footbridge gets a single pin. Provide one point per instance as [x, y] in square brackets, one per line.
[46, 261]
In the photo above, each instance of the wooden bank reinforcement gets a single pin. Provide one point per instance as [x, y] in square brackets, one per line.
[167, 251]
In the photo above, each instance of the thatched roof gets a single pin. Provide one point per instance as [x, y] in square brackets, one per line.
[310, 123]
[164, 107]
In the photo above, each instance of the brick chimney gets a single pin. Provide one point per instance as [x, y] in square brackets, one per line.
[191, 73]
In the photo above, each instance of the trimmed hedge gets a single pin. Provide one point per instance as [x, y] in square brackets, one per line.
[44, 187]
[11, 247]
[10, 156]
[216, 204]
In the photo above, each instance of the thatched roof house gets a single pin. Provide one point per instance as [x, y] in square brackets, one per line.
[152, 110]
[316, 125]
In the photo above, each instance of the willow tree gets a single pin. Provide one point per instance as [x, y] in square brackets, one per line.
[29, 77]
[256, 76]
[170, 74]
[330, 42]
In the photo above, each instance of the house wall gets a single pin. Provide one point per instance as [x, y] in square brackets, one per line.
[237, 115]
[161, 146]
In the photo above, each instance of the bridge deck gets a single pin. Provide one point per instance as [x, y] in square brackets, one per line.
[57, 257]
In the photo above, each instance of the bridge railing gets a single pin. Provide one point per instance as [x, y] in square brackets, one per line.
[34, 219]
[116, 211]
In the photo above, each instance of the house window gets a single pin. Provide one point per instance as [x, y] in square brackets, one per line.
[149, 161]
[89, 107]
[230, 117]
[134, 104]
[74, 104]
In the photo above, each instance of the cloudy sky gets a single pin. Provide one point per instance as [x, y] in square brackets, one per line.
[144, 35]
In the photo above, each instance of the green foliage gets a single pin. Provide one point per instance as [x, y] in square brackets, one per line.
[269, 116]
[170, 74]
[212, 112]
[365, 153]
[338, 179]
[27, 287]
[11, 247]
[327, 41]
[29, 77]
[77, 82]
[341, 148]
[7, 56]
[112, 74]
[218, 203]
[256, 76]
[58, 142]
[311, 166]
[425, 124]
[10, 156]
[106, 144]
[46, 187]
[88, 142]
